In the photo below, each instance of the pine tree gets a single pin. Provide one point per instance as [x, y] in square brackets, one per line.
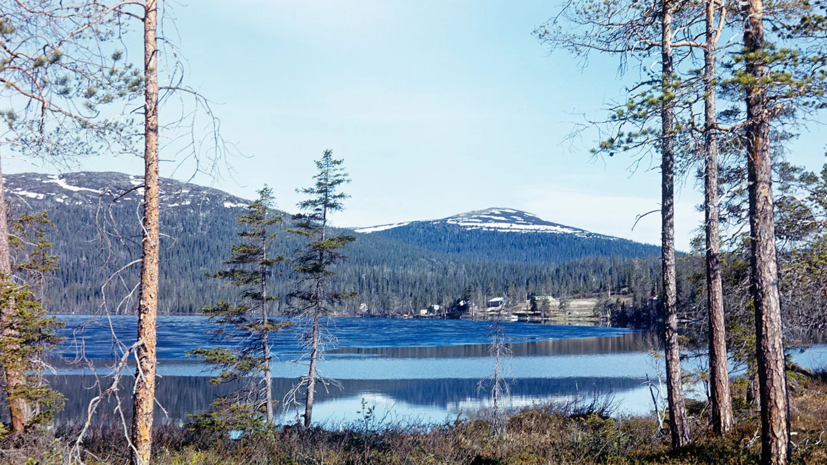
[649, 121]
[246, 325]
[314, 263]
[720, 397]
[29, 333]
[678, 420]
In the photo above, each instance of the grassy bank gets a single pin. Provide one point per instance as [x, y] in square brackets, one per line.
[549, 434]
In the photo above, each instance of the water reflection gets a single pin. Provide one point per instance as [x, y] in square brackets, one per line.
[637, 341]
[411, 370]
[435, 399]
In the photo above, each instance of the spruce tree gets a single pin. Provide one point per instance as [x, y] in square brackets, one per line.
[315, 261]
[245, 325]
[29, 334]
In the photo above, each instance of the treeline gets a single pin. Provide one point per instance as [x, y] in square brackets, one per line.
[388, 276]
[527, 247]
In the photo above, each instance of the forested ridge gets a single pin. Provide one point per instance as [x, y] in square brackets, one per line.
[395, 271]
[525, 247]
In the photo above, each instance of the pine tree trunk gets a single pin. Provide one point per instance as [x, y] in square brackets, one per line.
[311, 376]
[772, 380]
[20, 410]
[144, 398]
[721, 397]
[678, 422]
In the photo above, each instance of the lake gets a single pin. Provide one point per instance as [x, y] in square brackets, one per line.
[410, 370]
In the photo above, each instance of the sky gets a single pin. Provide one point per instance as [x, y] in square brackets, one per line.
[436, 106]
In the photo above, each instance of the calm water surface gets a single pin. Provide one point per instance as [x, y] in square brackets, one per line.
[409, 370]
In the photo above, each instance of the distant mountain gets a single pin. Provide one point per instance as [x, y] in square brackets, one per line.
[101, 188]
[493, 219]
[393, 267]
[510, 235]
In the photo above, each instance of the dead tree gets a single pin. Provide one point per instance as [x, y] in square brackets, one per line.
[144, 399]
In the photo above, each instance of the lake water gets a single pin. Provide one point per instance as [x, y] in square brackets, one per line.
[409, 370]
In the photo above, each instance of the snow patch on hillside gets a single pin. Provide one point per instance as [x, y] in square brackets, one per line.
[31, 195]
[60, 182]
[383, 227]
[515, 227]
[507, 220]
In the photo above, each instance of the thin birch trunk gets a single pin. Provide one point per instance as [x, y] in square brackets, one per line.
[722, 420]
[144, 398]
[678, 422]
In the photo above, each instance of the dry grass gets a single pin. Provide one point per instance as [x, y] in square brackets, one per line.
[550, 434]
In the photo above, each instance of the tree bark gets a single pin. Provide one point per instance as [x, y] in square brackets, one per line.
[148, 307]
[722, 420]
[20, 410]
[772, 380]
[678, 422]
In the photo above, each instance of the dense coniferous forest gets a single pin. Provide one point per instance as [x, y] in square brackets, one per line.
[395, 271]
[485, 246]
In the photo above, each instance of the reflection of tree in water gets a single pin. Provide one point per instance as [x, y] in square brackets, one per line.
[637, 341]
[185, 395]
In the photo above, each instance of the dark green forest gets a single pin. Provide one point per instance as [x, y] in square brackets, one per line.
[389, 275]
[486, 246]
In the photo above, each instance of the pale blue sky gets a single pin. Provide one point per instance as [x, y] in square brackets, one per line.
[437, 107]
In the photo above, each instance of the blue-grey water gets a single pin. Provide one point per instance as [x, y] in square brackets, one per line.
[409, 370]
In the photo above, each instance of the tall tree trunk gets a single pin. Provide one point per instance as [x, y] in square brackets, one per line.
[678, 422]
[772, 380]
[314, 347]
[311, 376]
[20, 410]
[722, 420]
[148, 307]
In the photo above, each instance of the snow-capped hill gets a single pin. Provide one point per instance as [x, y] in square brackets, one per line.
[92, 188]
[510, 220]
[493, 219]
[509, 235]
